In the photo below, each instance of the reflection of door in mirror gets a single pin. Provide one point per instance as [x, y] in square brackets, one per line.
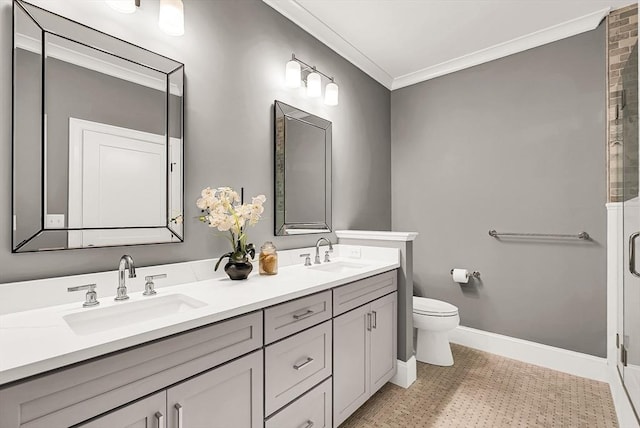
[116, 179]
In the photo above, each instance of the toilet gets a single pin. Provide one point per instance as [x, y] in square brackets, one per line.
[434, 320]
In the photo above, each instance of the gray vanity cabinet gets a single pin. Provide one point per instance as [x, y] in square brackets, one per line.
[351, 361]
[384, 344]
[307, 362]
[230, 396]
[364, 354]
[146, 413]
[80, 392]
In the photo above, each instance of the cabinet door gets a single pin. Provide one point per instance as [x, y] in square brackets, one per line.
[146, 413]
[229, 396]
[351, 384]
[384, 346]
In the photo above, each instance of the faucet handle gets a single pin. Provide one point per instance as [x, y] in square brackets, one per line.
[326, 256]
[307, 260]
[91, 298]
[149, 285]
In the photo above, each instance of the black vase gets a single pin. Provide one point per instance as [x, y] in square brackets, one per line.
[238, 269]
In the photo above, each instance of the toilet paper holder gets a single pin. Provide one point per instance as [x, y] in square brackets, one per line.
[474, 274]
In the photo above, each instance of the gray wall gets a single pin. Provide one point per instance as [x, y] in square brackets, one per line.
[516, 145]
[234, 54]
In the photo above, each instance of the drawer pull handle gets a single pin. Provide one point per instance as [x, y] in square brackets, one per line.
[179, 409]
[375, 319]
[160, 419]
[309, 424]
[305, 314]
[368, 321]
[302, 365]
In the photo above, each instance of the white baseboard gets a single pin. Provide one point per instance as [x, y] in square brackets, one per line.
[407, 373]
[626, 416]
[571, 362]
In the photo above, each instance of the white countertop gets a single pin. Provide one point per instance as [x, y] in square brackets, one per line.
[376, 235]
[39, 340]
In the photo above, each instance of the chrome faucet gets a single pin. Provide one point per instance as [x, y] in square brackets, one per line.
[317, 261]
[126, 262]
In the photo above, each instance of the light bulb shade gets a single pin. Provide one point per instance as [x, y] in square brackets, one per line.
[171, 18]
[124, 6]
[314, 85]
[292, 74]
[331, 94]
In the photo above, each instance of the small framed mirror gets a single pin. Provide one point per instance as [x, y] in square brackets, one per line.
[97, 138]
[302, 172]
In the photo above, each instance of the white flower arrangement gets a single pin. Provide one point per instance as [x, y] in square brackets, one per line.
[223, 209]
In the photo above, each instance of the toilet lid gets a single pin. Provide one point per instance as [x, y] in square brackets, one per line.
[423, 305]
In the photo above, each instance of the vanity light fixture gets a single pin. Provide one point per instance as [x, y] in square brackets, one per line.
[170, 18]
[298, 71]
[124, 6]
[292, 75]
[331, 94]
[314, 85]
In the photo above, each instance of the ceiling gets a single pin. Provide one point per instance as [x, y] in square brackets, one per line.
[402, 42]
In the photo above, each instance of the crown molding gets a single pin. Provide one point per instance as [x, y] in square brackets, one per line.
[300, 16]
[80, 59]
[551, 34]
[292, 10]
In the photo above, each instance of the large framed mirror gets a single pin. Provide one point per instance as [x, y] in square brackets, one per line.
[97, 138]
[302, 172]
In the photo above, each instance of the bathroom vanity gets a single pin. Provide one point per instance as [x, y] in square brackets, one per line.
[306, 347]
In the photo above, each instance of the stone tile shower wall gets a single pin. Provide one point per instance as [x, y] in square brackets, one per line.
[622, 34]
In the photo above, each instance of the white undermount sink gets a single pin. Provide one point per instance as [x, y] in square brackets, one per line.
[339, 266]
[122, 314]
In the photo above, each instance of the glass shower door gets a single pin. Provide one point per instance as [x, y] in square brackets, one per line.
[630, 343]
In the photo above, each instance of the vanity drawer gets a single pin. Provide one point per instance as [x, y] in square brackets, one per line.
[291, 317]
[296, 364]
[72, 395]
[358, 293]
[313, 409]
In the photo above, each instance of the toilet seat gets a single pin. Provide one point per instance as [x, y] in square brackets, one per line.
[433, 307]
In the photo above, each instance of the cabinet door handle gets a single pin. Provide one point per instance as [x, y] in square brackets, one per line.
[160, 419]
[308, 361]
[305, 314]
[632, 254]
[308, 424]
[368, 321]
[179, 409]
[375, 319]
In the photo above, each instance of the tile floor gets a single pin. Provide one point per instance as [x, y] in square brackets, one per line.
[486, 390]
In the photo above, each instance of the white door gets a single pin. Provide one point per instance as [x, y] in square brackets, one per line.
[117, 178]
